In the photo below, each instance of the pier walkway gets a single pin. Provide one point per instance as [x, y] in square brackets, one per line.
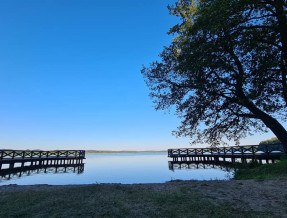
[12, 157]
[233, 153]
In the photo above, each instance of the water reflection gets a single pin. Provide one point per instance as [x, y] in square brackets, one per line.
[115, 168]
[195, 165]
[18, 172]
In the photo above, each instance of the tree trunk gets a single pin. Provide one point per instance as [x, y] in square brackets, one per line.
[270, 122]
[276, 128]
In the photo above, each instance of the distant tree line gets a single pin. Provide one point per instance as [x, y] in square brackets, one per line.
[271, 141]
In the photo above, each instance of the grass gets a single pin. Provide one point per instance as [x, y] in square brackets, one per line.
[266, 171]
[116, 201]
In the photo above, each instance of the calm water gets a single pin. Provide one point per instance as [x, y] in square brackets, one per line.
[118, 168]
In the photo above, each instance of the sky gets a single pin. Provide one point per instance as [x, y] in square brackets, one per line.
[70, 75]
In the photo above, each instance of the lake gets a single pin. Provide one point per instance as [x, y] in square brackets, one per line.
[125, 168]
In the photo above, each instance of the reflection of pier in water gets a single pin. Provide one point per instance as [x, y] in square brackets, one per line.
[178, 165]
[47, 167]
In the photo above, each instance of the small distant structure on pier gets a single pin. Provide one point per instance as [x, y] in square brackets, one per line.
[22, 158]
[227, 154]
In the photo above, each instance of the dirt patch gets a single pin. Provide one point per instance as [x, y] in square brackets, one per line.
[246, 195]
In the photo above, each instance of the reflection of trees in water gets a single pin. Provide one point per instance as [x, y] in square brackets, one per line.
[17, 172]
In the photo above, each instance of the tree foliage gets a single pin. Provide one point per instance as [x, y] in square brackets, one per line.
[273, 140]
[225, 71]
[272, 144]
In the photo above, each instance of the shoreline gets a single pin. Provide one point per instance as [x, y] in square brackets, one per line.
[172, 182]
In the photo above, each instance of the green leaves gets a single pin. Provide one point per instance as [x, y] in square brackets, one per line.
[226, 68]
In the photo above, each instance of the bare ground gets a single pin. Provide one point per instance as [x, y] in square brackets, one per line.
[246, 195]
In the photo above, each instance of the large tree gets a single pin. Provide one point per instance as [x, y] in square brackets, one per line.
[225, 71]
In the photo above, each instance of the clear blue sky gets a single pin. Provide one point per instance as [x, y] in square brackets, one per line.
[70, 75]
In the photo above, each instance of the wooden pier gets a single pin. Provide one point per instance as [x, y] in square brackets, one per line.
[39, 158]
[228, 154]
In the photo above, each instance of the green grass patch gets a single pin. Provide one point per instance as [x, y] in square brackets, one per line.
[116, 201]
[266, 171]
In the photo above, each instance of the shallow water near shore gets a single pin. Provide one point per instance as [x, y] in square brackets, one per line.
[125, 168]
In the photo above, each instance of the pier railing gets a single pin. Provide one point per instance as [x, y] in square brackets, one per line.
[27, 154]
[259, 152]
[233, 150]
[40, 158]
